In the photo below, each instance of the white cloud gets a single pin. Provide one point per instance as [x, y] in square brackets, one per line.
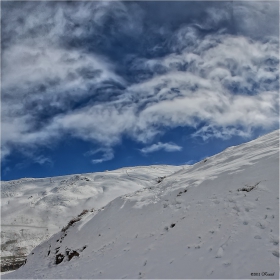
[43, 160]
[204, 91]
[56, 68]
[40, 75]
[227, 82]
[168, 147]
[104, 123]
[200, 93]
[108, 154]
[256, 18]
[190, 162]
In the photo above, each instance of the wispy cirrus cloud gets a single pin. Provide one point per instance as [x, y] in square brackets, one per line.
[107, 154]
[167, 147]
[223, 80]
[41, 76]
[96, 71]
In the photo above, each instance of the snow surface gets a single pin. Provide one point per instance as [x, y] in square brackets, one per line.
[34, 209]
[216, 219]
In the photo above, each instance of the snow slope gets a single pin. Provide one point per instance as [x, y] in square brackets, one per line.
[34, 209]
[216, 219]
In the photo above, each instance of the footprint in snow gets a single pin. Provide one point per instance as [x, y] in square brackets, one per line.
[227, 263]
[257, 237]
[236, 208]
[274, 240]
[220, 253]
[200, 202]
[261, 226]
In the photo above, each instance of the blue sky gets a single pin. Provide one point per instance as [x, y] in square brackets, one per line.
[93, 86]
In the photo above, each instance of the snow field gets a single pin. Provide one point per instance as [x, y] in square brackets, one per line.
[216, 219]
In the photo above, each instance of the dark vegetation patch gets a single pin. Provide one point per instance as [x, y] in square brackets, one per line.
[83, 213]
[180, 193]
[72, 254]
[70, 223]
[160, 179]
[7, 243]
[74, 220]
[59, 258]
[248, 188]
[69, 253]
[12, 266]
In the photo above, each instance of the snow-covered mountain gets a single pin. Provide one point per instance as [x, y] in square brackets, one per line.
[34, 209]
[216, 219]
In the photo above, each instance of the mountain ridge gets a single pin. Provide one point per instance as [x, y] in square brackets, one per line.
[50, 202]
[215, 219]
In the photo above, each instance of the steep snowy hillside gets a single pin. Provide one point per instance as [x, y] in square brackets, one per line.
[34, 209]
[216, 219]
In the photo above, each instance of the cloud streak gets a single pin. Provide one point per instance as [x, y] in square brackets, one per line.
[62, 75]
[107, 154]
[167, 147]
